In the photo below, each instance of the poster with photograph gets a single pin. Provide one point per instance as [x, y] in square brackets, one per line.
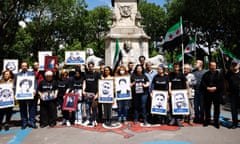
[105, 90]
[41, 58]
[180, 103]
[6, 96]
[70, 101]
[50, 63]
[47, 96]
[10, 64]
[25, 87]
[75, 57]
[123, 89]
[159, 102]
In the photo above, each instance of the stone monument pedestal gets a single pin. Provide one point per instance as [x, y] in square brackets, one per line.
[126, 27]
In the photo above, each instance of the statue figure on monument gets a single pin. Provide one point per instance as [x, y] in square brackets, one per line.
[92, 58]
[127, 53]
[138, 19]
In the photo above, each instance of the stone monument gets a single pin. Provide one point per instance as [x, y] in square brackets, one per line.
[126, 27]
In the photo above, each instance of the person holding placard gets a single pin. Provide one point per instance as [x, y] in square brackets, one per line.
[8, 78]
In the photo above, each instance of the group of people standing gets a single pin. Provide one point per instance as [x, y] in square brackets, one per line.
[204, 88]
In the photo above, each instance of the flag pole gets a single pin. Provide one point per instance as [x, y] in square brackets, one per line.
[182, 44]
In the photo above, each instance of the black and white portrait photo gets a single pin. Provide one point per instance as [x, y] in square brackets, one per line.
[75, 57]
[159, 102]
[123, 89]
[106, 94]
[180, 102]
[25, 87]
[6, 96]
[10, 64]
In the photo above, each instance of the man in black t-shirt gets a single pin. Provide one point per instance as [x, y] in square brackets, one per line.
[90, 92]
[177, 80]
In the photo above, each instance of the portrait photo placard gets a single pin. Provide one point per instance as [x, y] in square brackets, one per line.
[25, 87]
[6, 96]
[75, 57]
[159, 102]
[123, 89]
[180, 103]
[105, 90]
[50, 63]
[70, 101]
[10, 64]
[41, 58]
[47, 96]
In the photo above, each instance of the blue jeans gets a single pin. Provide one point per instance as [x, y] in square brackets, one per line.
[140, 102]
[122, 109]
[91, 112]
[27, 107]
[79, 111]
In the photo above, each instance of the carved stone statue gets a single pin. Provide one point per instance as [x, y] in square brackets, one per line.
[138, 19]
[92, 58]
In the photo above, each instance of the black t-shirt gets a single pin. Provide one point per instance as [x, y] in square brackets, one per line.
[48, 87]
[178, 80]
[63, 85]
[76, 83]
[160, 82]
[91, 79]
[233, 82]
[139, 80]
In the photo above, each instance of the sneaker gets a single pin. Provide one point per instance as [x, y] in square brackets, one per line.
[68, 123]
[90, 124]
[76, 122]
[95, 123]
[86, 123]
[63, 122]
[172, 122]
[79, 122]
[145, 123]
[179, 123]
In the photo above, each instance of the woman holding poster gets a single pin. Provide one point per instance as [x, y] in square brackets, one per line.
[139, 84]
[6, 97]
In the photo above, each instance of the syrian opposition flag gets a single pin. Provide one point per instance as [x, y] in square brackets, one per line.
[173, 36]
[190, 46]
[117, 56]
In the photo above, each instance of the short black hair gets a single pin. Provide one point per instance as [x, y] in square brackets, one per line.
[124, 80]
[26, 80]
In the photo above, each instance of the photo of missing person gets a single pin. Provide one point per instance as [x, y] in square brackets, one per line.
[50, 63]
[180, 102]
[159, 102]
[6, 96]
[106, 91]
[41, 58]
[10, 64]
[74, 57]
[70, 102]
[123, 90]
[25, 87]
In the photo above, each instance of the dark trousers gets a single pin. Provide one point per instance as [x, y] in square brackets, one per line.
[198, 105]
[5, 112]
[234, 99]
[140, 102]
[208, 100]
[48, 112]
[27, 107]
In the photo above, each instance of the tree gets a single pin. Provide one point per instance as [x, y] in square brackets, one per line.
[154, 21]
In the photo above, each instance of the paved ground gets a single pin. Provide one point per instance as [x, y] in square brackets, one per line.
[127, 134]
